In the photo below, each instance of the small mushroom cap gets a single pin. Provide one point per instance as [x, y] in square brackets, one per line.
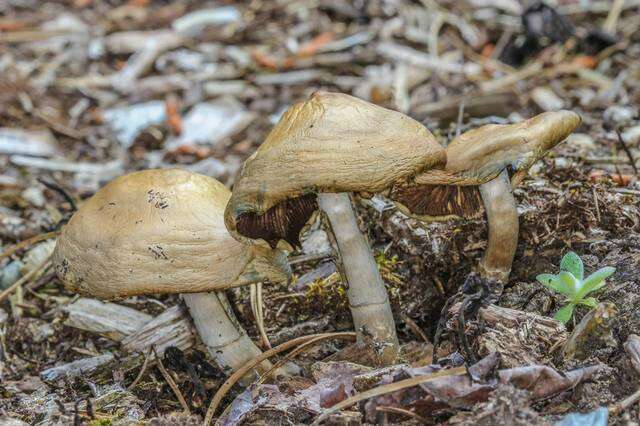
[330, 143]
[478, 156]
[158, 231]
[484, 152]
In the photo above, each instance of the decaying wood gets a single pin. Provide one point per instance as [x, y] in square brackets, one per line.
[479, 105]
[110, 319]
[170, 328]
[632, 346]
[521, 338]
[81, 367]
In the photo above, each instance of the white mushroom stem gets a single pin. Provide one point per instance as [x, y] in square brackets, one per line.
[368, 299]
[502, 218]
[220, 331]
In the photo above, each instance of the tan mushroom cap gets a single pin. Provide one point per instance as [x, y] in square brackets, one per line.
[478, 156]
[158, 231]
[330, 143]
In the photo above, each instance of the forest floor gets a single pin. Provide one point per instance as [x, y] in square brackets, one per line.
[90, 90]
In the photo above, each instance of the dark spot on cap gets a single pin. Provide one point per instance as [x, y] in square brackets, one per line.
[283, 221]
[440, 200]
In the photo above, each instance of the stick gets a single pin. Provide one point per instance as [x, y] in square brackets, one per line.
[142, 370]
[303, 348]
[612, 18]
[26, 243]
[172, 383]
[41, 266]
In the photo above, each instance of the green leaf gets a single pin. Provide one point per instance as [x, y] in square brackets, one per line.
[590, 302]
[553, 282]
[564, 314]
[571, 262]
[572, 284]
[595, 281]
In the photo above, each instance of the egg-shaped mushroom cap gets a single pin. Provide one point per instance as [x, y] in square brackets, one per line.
[158, 231]
[477, 156]
[329, 143]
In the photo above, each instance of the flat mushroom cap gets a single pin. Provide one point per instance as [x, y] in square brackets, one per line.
[330, 143]
[157, 231]
[478, 156]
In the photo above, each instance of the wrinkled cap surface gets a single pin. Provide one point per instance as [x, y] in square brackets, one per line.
[330, 143]
[157, 231]
[478, 156]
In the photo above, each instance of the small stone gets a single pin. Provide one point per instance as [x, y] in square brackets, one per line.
[619, 115]
[129, 120]
[546, 99]
[10, 274]
[210, 122]
[39, 330]
[515, 117]
[316, 243]
[561, 162]
[34, 196]
[582, 141]
[631, 135]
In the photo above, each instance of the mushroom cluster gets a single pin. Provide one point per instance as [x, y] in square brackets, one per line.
[333, 145]
[170, 231]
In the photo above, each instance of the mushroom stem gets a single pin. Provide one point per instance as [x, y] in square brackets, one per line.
[220, 331]
[368, 299]
[502, 218]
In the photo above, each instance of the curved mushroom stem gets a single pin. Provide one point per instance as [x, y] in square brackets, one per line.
[368, 299]
[502, 218]
[220, 331]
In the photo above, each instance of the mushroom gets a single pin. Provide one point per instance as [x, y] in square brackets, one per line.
[321, 150]
[476, 174]
[161, 232]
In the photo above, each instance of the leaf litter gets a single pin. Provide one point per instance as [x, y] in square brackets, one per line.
[91, 90]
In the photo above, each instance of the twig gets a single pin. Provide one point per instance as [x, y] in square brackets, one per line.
[625, 403]
[501, 82]
[302, 348]
[388, 388]
[31, 35]
[398, 410]
[612, 18]
[624, 191]
[309, 257]
[471, 358]
[60, 127]
[595, 200]
[239, 373]
[442, 322]
[41, 266]
[142, 369]
[460, 117]
[26, 243]
[171, 382]
[628, 152]
[258, 314]
[54, 186]
[414, 327]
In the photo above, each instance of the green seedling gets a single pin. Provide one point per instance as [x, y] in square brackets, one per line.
[571, 283]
